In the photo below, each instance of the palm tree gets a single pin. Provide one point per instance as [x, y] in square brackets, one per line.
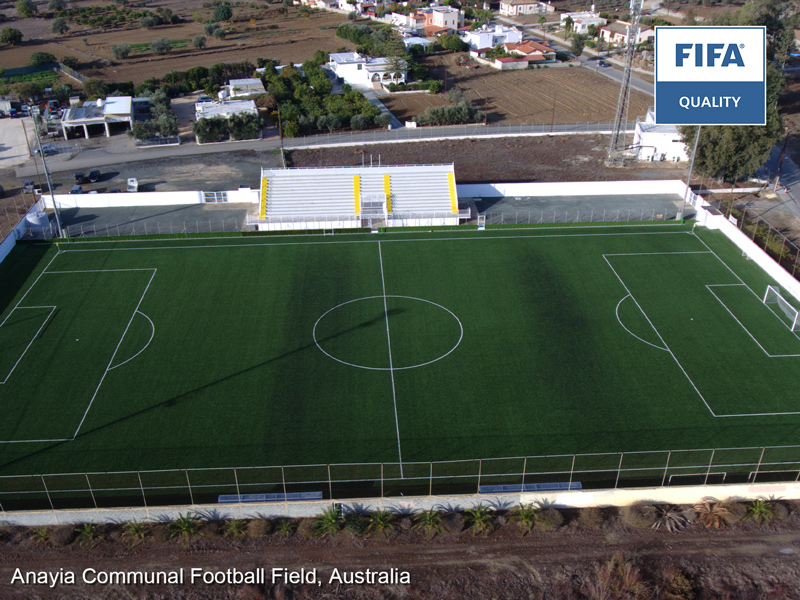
[284, 528]
[328, 523]
[185, 527]
[135, 530]
[542, 21]
[88, 534]
[710, 513]
[481, 519]
[430, 521]
[670, 518]
[760, 511]
[380, 521]
[525, 517]
[234, 528]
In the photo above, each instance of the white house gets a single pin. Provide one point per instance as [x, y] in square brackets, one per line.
[115, 109]
[658, 142]
[241, 88]
[414, 41]
[516, 8]
[617, 33]
[582, 20]
[364, 70]
[206, 110]
[489, 37]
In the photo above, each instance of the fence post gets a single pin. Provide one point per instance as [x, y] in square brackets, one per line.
[238, 493]
[47, 492]
[758, 466]
[91, 493]
[189, 484]
[619, 468]
[430, 488]
[710, 462]
[571, 473]
[666, 468]
[330, 483]
[480, 469]
[144, 498]
[381, 481]
[524, 471]
[285, 497]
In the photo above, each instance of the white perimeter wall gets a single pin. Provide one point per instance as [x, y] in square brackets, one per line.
[123, 199]
[572, 188]
[7, 245]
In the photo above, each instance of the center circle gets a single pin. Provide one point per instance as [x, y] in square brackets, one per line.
[383, 333]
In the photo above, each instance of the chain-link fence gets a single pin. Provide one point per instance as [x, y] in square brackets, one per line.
[520, 217]
[346, 481]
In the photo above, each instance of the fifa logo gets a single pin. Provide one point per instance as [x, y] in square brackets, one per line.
[730, 54]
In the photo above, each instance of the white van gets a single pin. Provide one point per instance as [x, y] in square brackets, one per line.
[133, 184]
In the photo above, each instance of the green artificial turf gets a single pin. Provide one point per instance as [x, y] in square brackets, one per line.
[262, 352]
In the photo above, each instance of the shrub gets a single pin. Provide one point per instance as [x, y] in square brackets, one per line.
[26, 8]
[306, 529]
[285, 528]
[59, 25]
[356, 523]
[220, 33]
[41, 58]
[95, 88]
[617, 578]
[760, 511]
[710, 513]
[291, 129]
[480, 520]
[591, 517]
[40, 535]
[360, 121]
[244, 127]
[234, 528]
[639, 515]
[524, 516]
[185, 527]
[57, 5]
[435, 86]
[737, 511]
[430, 521]
[210, 28]
[88, 533]
[670, 518]
[121, 51]
[10, 36]
[328, 522]
[136, 531]
[453, 42]
[258, 528]
[548, 519]
[381, 522]
[199, 41]
[161, 45]
[223, 12]
[71, 61]
[383, 119]
[148, 21]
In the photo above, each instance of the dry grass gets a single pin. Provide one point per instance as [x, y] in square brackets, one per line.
[591, 517]
[639, 516]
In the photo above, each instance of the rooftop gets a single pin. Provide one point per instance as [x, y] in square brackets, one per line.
[206, 110]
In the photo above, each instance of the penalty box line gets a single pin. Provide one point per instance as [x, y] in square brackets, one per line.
[119, 343]
[668, 349]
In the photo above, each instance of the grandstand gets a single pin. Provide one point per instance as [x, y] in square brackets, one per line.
[352, 197]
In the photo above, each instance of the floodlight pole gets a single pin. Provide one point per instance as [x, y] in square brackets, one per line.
[691, 168]
[47, 176]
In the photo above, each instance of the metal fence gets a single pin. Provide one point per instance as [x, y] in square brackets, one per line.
[519, 217]
[417, 133]
[140, 228]
[157, 141]
[346, 481]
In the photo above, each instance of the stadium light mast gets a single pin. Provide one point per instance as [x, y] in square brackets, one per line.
[46, 171]
[617, 147]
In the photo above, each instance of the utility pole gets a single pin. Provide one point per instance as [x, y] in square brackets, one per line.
[46, 172]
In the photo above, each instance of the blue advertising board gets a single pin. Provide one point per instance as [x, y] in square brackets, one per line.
[710, 76]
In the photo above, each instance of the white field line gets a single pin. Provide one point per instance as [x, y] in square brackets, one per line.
[777, 316]
[31, 287]
[38, 331]
[479, 235]
[391, 367]
[629, 331]
[152, 335]
[675, 358]
[119, 343]
[708, 287]
[97, 271]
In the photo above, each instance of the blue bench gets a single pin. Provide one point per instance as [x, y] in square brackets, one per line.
[291, 496]
[517, 488]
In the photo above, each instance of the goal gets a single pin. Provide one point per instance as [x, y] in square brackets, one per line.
[773, 296]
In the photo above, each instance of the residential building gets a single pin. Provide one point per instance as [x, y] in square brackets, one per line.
[658, 142]
[413, 41]
[226, 109]
[532, 50]
[490, 37]
[517, 8]
[242, 88]
[617, 33]
[582, 20]
[364, 70]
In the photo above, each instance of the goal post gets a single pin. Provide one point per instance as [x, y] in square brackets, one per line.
[773, 296]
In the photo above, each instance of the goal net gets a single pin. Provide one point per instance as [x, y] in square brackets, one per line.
[773, 296]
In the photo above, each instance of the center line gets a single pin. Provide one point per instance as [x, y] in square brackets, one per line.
[391, 366]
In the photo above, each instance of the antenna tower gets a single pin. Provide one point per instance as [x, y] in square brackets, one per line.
[616, 148]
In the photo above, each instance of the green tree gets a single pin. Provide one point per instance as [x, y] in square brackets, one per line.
[148, 21]
[732, 153]
[199, 41]
[453, 42]
[41, 58]
[223, 12]
[568, 23]
[10, 36]
[542, 20]
[26, 8]
[121, 51]
[57, 5]
[161, 45]
[71, 61]
[29, 89]
[244, 127]
[577, 45]
[95, 88]
[59, 25]
[220, 33]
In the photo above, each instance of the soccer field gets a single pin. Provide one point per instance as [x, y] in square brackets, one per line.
[392, 348]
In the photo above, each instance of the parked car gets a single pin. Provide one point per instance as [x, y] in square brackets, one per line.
[47, 149]
[204, 99]
[113, 191]
[94, 176]
[80, 177]
[603, 63]
[133, 184]
[93, 192]
[28, 185]
[76, 189]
